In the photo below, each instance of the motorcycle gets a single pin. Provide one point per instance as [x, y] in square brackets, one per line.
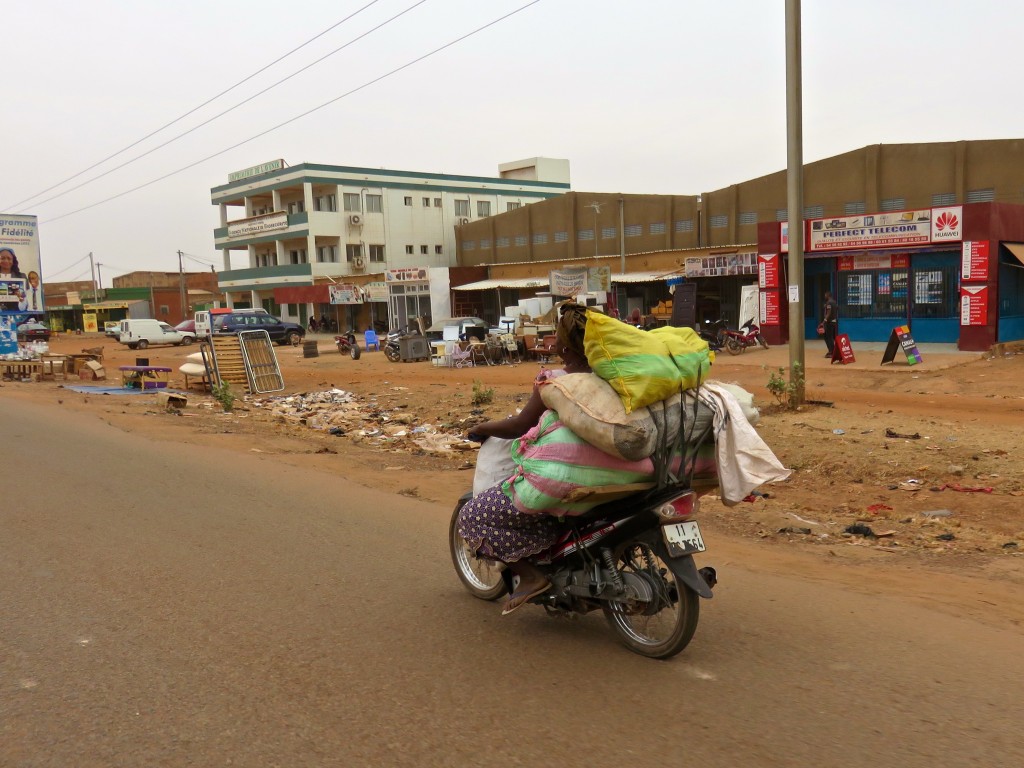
[631, 558]
[713, 333]
[749, 335]
[347, 345]
[392, 350]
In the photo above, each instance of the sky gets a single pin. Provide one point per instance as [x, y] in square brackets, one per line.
[644, 97]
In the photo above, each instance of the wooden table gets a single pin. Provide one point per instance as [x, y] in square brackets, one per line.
[21, 369]
[144, 376]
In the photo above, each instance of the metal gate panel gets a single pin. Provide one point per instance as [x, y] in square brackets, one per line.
[261, 362]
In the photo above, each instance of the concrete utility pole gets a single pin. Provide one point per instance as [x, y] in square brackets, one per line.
[99, 276]
[795, 199]
[622, 235]
[181, 286]
[597, 209]
[92, 271]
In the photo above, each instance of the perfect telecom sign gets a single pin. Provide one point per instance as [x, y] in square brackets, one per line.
[256, 170]
[887, 230]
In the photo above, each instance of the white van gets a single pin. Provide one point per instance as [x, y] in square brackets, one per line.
[139, 334]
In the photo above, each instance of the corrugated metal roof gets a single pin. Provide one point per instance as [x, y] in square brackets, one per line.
[505, 282]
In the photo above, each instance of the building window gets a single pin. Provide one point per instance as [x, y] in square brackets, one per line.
[981, 195]
[894, 204]
[634, 230]
[719, 222]
[352, 202]
[439, 250]
[299, 206]
[486, 243]
[540, 238]
[325, 203]
[483, 208]
[408, 249]
[353, 251]
[585, 234]
[437, 202]
[376, 253]
[782, 214]
[502, 242]
[327, 253]
[561, 237]
[656, 228]
[426, 202]
[814, 211]
[297, 256]
[407, 200]
[855, 208]
[164, 309]
[684, 225]
[423, 249]
[462, 207]
[520, 240]
[469, 245]
[608, 233]
[375, 204]
[512, 206]
[944, 198]
[748, 217]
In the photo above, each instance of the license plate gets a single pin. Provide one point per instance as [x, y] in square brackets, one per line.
[682, 539]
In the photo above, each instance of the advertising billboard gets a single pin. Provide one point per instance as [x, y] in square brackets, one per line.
[21, 284]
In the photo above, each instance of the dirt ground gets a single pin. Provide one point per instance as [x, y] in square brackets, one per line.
[924, 462]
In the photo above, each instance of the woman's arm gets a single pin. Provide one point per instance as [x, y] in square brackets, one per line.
[518, 425]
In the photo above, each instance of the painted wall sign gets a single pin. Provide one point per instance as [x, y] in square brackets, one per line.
[768, 270]
[769, 307]
[406, 275]
[974, 260]
[256, 170]
[974, 305]
[255, 225]
[344, 293]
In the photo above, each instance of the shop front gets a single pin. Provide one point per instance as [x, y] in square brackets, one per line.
[937, 270]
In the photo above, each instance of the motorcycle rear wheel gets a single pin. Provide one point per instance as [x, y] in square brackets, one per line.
[762, 342]
[481, 577]
[354, 351]
[733, 347]
[659, 627]
[392, 354]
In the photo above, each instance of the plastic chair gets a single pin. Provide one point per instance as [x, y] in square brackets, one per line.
[511, 348]
[371, 340]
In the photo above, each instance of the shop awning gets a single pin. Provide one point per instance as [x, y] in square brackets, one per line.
[1017, 249]
[505, 282]
[643, 277]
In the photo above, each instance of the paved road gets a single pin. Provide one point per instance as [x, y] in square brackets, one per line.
[170, 605]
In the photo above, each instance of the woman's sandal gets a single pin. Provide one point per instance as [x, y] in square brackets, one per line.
[523, 596]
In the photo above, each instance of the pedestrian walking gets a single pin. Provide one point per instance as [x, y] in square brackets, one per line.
[830, 323]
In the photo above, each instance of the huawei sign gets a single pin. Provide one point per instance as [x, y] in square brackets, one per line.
[947, 223]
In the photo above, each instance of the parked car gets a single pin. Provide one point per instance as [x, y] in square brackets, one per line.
[141, 333]
[33, 331]
[280, 331]
[112, 328]
[186, 326]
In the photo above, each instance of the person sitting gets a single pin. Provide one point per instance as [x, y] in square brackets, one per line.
[312, 325]
[489, 522]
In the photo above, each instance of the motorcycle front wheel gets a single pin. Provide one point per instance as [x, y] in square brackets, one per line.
[660, 621]
[392, 354]
[732, 346]
[762, 342]
[481, 577]
[354, 351]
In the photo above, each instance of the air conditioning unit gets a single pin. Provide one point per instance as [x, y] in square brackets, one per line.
[358, 263]
[355, 219]
[461, 222]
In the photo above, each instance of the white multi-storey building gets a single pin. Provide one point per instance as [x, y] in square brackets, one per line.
[307, 227]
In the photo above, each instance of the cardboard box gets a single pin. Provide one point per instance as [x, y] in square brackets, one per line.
[92, 371]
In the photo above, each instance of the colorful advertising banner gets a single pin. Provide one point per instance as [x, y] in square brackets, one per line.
[406, 275]
[873, 261]
[769, 306]
[886, 230]
[344, 293]
[21, 284]
[974, 305]
[573, 281]
[721, 265]
[974, 260]
[376, 291]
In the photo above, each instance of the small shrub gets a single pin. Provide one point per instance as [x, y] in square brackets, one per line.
[786, 392]
[482, 396]
[222, 394]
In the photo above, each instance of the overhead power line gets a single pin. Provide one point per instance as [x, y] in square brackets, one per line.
[308, 112]
[191, 111]
[229, 109]
[69, 266]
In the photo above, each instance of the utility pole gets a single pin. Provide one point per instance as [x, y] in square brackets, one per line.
[99, 277]
[181, 286]
[795, 198]
[597, 209]
[92, 271]
[622, 235]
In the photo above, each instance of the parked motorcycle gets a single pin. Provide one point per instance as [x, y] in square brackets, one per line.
[392, 350]
[749, 335]
[632, 559]
[348, 345]
[713, 333]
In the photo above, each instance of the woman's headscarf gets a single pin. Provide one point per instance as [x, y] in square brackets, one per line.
[571, 326]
